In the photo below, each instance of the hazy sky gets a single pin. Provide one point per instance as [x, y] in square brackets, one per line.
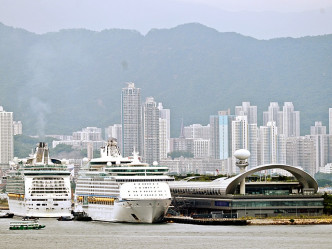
[258, 18]
[266, 5]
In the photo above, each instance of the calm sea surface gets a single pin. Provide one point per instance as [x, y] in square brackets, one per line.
[79, 234]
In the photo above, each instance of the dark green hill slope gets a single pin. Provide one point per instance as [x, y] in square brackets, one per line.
[60, 82]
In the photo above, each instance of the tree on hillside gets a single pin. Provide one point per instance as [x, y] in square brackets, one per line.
[62, 148]
[323, 179]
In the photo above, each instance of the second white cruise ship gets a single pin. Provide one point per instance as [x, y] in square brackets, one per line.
[121, 189]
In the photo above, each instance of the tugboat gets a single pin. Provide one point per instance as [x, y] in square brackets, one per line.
[81, 216]
[6, 215]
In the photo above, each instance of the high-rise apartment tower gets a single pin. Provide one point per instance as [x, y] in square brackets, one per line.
[131, 117]
[6, 138]
[164, 131]
[151, 148]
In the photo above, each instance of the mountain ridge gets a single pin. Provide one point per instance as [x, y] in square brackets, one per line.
[62, 81]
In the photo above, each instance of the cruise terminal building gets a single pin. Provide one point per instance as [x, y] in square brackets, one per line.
[236, 197]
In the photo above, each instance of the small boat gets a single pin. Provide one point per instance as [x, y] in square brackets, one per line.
[81, 216]
[65, 218]
[29, 218]
[25, 225]
[6, 215]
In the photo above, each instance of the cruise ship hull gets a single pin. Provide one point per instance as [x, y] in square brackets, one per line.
[133, 211]
[19, 208]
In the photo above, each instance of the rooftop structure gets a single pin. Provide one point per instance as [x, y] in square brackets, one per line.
[230, 186]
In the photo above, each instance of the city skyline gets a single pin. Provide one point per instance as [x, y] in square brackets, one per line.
[148, 132]
[149, 123]
[225, 134]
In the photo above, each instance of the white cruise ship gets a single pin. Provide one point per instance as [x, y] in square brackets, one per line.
[118, 189]
[39, 186]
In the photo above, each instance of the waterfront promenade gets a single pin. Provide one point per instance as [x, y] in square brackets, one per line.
[292, 221]
[321, 220]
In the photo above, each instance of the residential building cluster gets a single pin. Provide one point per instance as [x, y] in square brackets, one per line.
[87, 138]
[277, 141]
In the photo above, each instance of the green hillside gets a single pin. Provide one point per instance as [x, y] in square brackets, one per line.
[59, 82]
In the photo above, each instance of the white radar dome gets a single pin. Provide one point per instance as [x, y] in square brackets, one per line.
[242, 154]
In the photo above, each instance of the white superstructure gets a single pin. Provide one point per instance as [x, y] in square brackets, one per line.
[122, 189]
[39, 186]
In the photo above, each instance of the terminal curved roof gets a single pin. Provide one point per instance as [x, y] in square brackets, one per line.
[226, 186]
[303, 177]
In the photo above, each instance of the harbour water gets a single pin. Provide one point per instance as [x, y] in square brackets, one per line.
[78, 234]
